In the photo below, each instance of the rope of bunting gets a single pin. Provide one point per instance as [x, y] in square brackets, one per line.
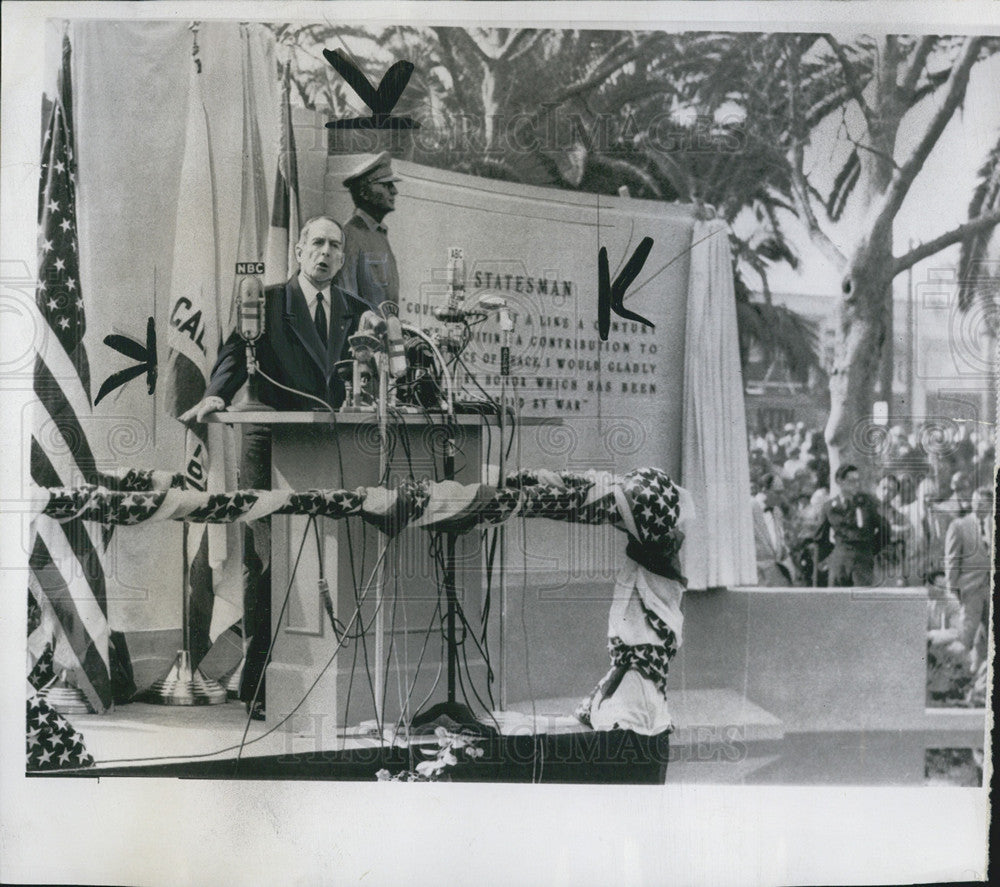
[590, 498]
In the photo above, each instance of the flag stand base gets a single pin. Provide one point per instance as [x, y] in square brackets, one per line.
[64, 697]
[182, 685]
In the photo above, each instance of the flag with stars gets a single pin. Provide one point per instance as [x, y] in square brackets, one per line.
[66, 565]
[51, 741]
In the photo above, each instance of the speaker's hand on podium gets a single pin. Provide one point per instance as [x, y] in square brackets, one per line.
[197, 413]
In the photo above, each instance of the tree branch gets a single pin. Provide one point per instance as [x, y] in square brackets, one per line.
[458, 82]
[800, 184]
[851, 76]
[917, 59]
[925, 250]
[800, 195]
[612, 60]
[518, 43]
[468, 42]
[954, 91]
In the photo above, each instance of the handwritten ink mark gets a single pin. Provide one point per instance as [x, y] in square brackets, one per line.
[611, 296]
[381, 100]
[128, 346]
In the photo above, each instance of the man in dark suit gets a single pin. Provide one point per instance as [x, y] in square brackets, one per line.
[307, 324]
[853, 524]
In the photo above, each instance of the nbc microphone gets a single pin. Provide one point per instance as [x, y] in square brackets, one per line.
[250, 309]
[250, 326]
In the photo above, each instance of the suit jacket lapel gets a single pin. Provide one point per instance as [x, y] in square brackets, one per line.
[298, 320]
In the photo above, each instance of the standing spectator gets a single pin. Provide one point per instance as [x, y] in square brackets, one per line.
[947, 660]
[957, 504]
[890, 559]
[773, 562]
[853, 524]
[967, 571]
[803, 522]
[924, 535]
[904, 495]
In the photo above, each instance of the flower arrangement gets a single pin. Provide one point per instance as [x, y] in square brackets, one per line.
[450, 748]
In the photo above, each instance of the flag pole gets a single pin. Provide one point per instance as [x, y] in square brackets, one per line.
[182, 684]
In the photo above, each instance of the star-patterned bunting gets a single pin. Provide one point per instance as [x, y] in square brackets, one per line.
[51, 742]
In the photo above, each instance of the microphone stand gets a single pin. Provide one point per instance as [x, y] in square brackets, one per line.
[252, 404]
[506, 326]
[381, 363]
[452, 709]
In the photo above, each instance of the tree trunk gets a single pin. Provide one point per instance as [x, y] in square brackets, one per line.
[851, 436]
[887, 368]
[864, 354]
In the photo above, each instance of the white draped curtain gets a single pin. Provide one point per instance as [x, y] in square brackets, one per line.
[719, 549]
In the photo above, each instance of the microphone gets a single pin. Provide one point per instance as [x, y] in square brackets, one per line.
[394, 346]
[370, 322]
[454, 311]
[506, 326]
[456, 276]
[250, 326]
[250, 309]
[491, 303]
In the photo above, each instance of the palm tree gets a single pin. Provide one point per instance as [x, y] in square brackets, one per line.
[616, 118]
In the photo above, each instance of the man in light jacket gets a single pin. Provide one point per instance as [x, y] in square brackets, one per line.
[967, 571]
[774, 566]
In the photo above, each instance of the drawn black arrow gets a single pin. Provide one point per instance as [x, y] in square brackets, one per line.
[146, 355]
[381, 100]
[611, 296]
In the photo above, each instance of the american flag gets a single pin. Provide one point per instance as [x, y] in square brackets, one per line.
[66, 566]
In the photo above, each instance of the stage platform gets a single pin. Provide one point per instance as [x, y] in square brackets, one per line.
[720, 738]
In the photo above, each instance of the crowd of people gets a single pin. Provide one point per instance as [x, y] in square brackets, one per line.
[925, 517]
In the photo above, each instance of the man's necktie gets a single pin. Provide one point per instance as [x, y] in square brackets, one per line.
[321, 326]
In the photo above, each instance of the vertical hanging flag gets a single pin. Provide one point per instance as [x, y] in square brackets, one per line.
[193, 335]
[284, 231]
[252, 233]
[66, 565]
[253, 189]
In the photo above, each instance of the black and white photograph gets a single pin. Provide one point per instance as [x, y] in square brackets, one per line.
[588, 413]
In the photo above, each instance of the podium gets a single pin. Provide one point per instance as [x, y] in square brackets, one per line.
[391, 657]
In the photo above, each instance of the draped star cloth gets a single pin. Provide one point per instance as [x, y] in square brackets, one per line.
[645, 622]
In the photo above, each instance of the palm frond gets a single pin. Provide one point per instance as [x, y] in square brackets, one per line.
[843, 184]
[776, 329]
